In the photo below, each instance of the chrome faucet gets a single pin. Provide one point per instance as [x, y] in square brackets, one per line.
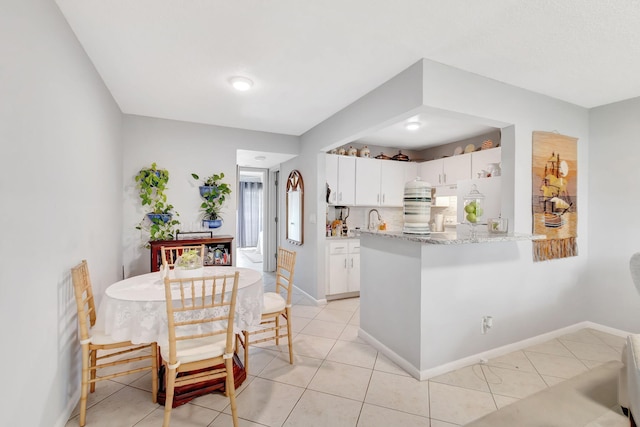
[369, 218]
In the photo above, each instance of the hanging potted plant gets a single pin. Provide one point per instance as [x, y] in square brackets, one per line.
[160, 222]
[214, 193]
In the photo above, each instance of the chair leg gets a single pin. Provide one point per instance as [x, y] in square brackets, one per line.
[84, 384]
[278, 330]
[230, 389]
[154, 372]
[245, 344]
[288, 311]
[168, 403]
[94, 372]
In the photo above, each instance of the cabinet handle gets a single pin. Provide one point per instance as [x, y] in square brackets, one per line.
[340, 196]
[339, 247]
[439, 178]
[445, 178]
[378, 198]
[383, 198]
[351, 262]
[345, 263]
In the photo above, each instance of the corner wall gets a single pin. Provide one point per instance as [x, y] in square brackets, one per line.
[614, 206]
[184, 148]
[542, 296]
[60, 181]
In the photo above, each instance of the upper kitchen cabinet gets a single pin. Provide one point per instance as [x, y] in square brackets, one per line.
[341, 178]
[446, 171]
[381, 182]
[481, 161]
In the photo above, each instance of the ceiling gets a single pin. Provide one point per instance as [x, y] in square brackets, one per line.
[308, 59]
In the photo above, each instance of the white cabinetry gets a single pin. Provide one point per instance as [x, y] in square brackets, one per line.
[381, 182]
[445, 173]
[344, 266]
[480, 160]
[341, 177]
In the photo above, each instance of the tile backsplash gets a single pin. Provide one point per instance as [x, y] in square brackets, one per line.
[393, 217]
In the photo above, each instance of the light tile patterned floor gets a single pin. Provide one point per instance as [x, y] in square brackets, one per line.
[339, 380]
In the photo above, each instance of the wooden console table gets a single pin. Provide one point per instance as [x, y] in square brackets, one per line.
[218, 250]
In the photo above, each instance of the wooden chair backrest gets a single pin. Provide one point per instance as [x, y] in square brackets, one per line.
[84, 298]
[201, 307]
[284, 272]
[171, 253]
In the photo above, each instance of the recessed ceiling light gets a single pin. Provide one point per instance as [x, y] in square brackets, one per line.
[241, 83]
[260, 158]
[413, 126]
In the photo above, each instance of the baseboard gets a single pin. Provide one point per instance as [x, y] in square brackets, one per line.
[393, 356]
[345, 295]
[317, 302]
[607, 329]
[68, 410]
[425, 374]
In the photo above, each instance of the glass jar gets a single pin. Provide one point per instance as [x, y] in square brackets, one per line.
[473, 208]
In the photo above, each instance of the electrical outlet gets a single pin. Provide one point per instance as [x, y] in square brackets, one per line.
[487, 323]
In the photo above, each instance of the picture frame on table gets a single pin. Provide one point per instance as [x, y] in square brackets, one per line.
[190, 235]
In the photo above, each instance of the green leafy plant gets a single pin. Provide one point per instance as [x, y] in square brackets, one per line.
[151, 184]
[189, 259]
[214, 196]
[160, 230]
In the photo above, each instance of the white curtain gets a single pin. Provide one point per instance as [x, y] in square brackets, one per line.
[249, 214]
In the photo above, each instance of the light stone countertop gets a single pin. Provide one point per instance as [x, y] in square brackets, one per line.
[453, 238]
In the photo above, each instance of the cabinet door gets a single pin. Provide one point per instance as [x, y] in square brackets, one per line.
[368, 181]
[392, 179]
[410, 172]
[480, 160]
[354, 272]
[331, 170]
[346, 180]
[431, 172]
[338, 274]
[456, 168]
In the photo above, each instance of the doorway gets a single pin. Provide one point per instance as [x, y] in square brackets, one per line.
[251, 217]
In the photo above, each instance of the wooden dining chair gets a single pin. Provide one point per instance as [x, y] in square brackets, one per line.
[276, 305]
[171, 253]
[200, 314]
[92, 341]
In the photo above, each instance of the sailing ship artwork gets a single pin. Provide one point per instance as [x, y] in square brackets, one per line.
[554, 204]
[555, 200]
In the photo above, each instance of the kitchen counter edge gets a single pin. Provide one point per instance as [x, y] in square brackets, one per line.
[453, 238]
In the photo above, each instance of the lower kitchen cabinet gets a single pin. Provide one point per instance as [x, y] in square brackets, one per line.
[344, 267]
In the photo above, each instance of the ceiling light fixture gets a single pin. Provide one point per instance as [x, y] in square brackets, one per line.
[413, 126]
[260, 158]
[241, 83]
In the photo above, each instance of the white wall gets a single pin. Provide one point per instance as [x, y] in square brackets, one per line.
[183, 148]
[60, 187]
[614, 207]
[555, 290]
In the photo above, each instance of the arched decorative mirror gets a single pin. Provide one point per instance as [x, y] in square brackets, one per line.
[295, 207]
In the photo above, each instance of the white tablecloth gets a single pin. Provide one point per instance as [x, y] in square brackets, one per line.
[134, 309]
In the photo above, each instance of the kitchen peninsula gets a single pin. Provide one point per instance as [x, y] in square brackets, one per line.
[422, 298]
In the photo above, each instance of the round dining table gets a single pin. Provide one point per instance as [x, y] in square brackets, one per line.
[134, 309]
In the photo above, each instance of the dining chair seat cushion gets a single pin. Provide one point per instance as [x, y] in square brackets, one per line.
[100, 338]
[273, 303]
[197, 349]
